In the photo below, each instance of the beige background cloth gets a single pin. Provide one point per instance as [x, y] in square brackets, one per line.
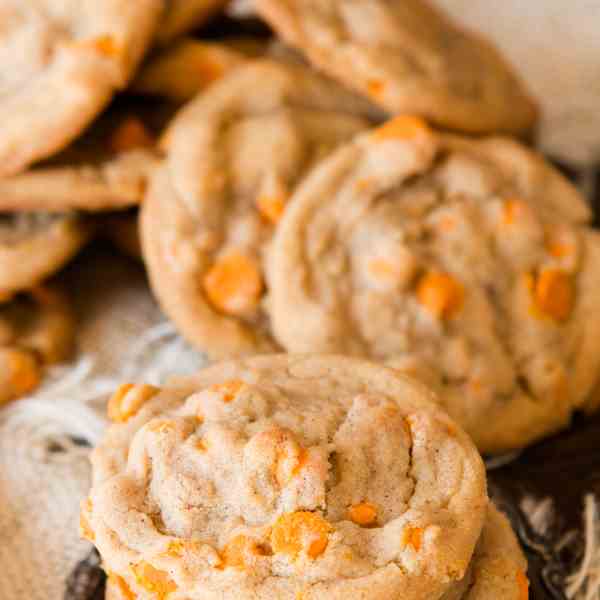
[123, 337]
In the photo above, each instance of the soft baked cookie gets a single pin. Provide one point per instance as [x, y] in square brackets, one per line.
[105, 169]
[235, 155]
[183, 16]
[497, 571]
[498, 567]
[285, 477]
[61, 62]
[36, 329]
[409, 58]
[189, 66]
[33, 246]
[463, 262]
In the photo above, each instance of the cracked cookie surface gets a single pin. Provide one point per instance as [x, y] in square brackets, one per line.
[465, 263]
[62, 61]
[285, 475]
[234, 158]
[409, 58]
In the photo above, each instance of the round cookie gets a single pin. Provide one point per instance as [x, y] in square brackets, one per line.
[62, 61]
[497, 570]
[235, 155]
[105, 169]
[33, 246]
[189, 66]
[408, 57]
[183, 16]
[285, 476]
[498, 567]
[465, 263]
[36, 329]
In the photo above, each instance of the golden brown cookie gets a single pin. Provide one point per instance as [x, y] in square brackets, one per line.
[235, 156]
[498, 567]
[183, 16]
[408, 57]
[33, 246]
[467, 263]
[497, 571]
[36, 329]
[106, 169]
[275, 476]
[62, 60]
[189, 66]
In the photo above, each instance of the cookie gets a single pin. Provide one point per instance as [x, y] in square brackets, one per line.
[497, 570]
[105, 169]
[62, 62]
[235, 155]
[464, 262]
[36, 329]
[33, 246]
[283, 476]
[189, 66]
[408, 57]
[183, 16]
[498, 567]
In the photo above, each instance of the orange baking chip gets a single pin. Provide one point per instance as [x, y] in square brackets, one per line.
[554, 294]
[413, 537]
[441, 294]
[234, 284]
[128, 399]
[403, 127]
[363, 514]
[301, 531]
[152, 580]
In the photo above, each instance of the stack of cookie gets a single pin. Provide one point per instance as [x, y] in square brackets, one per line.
[295, 478]
[66, 156]
[333, 189]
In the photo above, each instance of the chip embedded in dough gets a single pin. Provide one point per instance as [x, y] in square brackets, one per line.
[466, 263]
[235, 155]
[36, 329]
[61, 62]
[244, 481]
[408, 57]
